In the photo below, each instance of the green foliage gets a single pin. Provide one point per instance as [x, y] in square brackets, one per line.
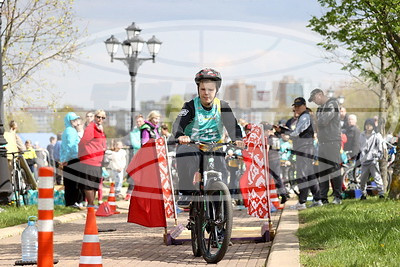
[173, 107]
[365, 28]
[58, 125]
[15, 216]
[356, 233]
[35, 34]
[26, 123]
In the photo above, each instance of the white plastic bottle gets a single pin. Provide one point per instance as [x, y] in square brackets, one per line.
[29, 241]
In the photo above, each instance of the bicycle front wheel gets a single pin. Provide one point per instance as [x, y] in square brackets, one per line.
[194, 225]
[215, 220]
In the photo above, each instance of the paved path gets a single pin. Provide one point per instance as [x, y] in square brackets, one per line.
[134, 245]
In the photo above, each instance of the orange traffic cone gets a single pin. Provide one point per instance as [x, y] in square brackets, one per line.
[91, 253]
[104, 210]
[273, 194]
[111, 199]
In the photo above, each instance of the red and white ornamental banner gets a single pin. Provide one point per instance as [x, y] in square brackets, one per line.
[253, 184]
[165, 177]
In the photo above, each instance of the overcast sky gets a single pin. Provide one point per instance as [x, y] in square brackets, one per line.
[256, 41]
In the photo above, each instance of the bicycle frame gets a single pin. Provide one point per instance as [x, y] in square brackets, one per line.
[209, 220]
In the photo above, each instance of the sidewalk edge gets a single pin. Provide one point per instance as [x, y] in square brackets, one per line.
[285, 249]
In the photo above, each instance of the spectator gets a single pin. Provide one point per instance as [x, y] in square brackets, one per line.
[30, 156]
[117, 165]
[91, 153]
[57, 161]
[80, 127]
[344, 120]
[89, 118]
[14, 142]
[50, 150]
[371, 147]
[70, 162]
[42, 156]
[136, 143]
[291, 123]
[329, 142]
[149, 130]
[285, 153]
[352, 146]
[303, 148]
[274, 161]
[165, 130]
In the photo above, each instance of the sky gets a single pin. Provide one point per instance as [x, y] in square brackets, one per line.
[254, 41]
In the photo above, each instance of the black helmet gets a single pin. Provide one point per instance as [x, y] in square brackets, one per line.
[208, 74]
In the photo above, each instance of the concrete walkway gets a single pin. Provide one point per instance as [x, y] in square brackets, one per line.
[134, 245]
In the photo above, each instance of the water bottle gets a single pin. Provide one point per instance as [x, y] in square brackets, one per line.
[29, 240]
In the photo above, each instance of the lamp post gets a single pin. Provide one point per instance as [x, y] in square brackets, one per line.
[132, 47]
[340, 99]
[5, 185]
[330, 93]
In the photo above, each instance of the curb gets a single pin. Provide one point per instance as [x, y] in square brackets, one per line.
[285, 249]
[18, 229]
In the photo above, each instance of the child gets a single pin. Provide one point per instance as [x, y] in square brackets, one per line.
[117, 165]
[371, 151]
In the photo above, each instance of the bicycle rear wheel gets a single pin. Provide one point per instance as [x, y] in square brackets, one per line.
[215, 220]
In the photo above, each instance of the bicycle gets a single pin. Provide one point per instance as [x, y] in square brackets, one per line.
[19, 180]
[211, 213]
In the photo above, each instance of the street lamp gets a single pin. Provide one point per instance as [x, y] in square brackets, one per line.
[330, 93]
[5, 185]
[340, 99]
[131, 48]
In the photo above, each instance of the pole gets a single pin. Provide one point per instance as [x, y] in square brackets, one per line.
[5, 185]
[133, 107]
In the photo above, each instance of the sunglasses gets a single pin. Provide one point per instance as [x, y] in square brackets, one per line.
[100, 117]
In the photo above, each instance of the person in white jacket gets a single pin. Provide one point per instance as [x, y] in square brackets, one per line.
[117, 166]
[371, 151]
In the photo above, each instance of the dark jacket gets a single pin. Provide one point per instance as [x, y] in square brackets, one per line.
[353, 141]
[328, 122]
[303, 134]
[187, 115]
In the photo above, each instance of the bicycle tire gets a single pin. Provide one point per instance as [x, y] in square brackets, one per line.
[215, 219]
[16, 187]
[194, 221]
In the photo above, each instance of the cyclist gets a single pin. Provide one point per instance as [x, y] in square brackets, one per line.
[202, 119]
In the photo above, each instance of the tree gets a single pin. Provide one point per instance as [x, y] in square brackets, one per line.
[57, 124]
[26, 123]
[368, 31]
[37, 33]
[172, 109]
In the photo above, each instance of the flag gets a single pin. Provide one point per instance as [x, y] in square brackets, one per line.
[146, 206]
[165, 176]
[253, 183]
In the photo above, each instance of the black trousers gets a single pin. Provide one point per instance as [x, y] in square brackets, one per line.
[329, 169]
[72, 179]
[275, 171]
[306, 178]
[188, 163]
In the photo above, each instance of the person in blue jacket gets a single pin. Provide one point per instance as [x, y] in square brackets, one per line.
[136, 142]
[70, 162]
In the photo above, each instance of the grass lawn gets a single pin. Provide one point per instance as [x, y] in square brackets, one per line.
[356, 233]
[15, 216]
